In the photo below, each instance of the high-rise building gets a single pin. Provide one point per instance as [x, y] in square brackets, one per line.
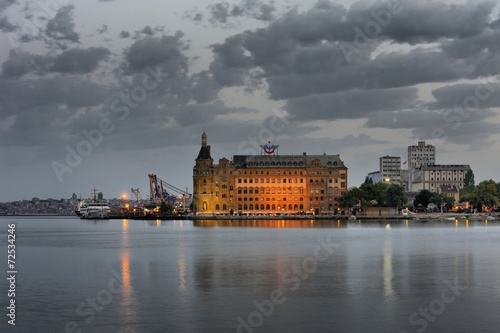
[268, 183]
[390, 169]
[421, 154]
[418, 155]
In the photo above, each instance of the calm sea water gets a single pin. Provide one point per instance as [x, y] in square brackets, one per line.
[267, 276]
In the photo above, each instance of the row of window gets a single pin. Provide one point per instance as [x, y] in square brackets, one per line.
[270, 199]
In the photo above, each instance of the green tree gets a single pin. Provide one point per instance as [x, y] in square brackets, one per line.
[395, 196]
[487, 194]
[348, 199]
[468, 182]
[423, 198]
[442, 200]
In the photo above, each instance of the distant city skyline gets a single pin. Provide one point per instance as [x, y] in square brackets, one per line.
[102, 93]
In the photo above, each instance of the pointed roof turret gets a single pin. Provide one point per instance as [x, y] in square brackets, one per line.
[204, 153]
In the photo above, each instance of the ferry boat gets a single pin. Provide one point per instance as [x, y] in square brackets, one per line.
[93, 209]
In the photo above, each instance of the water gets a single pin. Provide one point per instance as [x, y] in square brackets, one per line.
[267, 276]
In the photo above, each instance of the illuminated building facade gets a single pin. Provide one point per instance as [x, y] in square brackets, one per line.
[267, 184]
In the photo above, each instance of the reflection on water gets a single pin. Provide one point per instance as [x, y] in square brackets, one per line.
[127, 305]
[272, 223]
[388, 290]
[200, 276]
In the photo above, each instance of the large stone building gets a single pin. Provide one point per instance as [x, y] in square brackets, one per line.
[268, 183]
[432, 177]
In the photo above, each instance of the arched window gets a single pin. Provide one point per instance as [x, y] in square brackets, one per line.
[301, 207]
[239, 207]
[256, 190]
[239, 190]
[273, 207]
[329, 164]
[217, 207]
[335, 163]
[250, 207]
[244, 190]
[295, 207]
[205, 205]
[295, 163]
[262, 207]
[224, 207]
[245, 207]
[268, 207]
[336, 190]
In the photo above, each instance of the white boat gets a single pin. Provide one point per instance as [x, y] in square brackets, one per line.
[450, 218]
[93, 209]
[490, 218]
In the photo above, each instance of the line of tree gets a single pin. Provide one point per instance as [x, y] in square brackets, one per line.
[369, 194]
[486, 194]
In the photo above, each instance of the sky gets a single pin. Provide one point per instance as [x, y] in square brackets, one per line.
[102, 93]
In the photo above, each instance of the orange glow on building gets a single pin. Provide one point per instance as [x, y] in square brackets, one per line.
[267, 184]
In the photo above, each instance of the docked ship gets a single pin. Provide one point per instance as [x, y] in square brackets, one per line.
[93, 209]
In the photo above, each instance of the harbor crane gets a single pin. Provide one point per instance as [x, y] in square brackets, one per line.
[161, 191]
[137, 194]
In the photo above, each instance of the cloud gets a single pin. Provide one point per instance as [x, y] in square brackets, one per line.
[351, 104]
[103, 29]
[73, 61]
[223, 12]
[165, 51]
[305, 53]
[4, 4]
[6, 26]
[61, 28]
[80, 61]
[124, 34]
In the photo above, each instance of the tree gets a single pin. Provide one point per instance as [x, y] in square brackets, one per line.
[348, 199]
[166, 208]
[468, 182]
[487, 194]
[442, 200]
[395, 196]
[423, 198]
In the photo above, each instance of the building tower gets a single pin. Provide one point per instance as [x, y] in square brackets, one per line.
[390, 169]
[421, 154]
[203, 178]
[418, 156]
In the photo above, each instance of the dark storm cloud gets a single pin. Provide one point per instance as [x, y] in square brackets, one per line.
[424, 21]
[74, 61]
[473, 132]
[102, 29]
[124, 34]
[199, 114]
[351, 104]
[468, 96]
[6, 26]
[20, 63]
[44, 109]
[302, 53]
[223, 12]
[165, 51]
[79, 61]
[4, 4]
[61, 27]
[147, 30]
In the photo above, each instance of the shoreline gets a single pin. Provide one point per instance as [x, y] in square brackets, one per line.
[419, 216]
